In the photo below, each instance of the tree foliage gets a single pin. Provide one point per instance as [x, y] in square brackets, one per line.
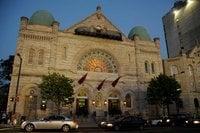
[56, 88]
[6, 67]
[163, 90]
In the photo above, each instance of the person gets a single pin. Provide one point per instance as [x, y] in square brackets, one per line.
[4, 118]
[14, 119]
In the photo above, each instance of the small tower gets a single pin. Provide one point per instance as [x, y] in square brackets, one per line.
[23, 23]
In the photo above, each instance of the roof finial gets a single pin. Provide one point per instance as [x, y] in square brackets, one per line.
[98, 8]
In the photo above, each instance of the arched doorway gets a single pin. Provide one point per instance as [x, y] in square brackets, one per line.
[82, 105]
[114, 105]
[30, 109]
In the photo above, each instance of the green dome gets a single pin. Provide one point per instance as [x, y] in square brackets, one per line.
[42, 17]
[141, 32]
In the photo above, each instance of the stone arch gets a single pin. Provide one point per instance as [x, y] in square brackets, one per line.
[31, 99]
[31, 56]
[133, 97]
[82, 91]
[41, 57]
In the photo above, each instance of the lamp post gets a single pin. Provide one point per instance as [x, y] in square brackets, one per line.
[17, 87]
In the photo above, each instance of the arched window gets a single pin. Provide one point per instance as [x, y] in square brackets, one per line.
[128, 100]
[191, 70]
[146, 65]
[31, 56]
[40, 57]
[152, 68]
[198, 68]
[174, 70]
[97, 61]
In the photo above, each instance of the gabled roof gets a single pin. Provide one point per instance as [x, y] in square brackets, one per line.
[95, 20]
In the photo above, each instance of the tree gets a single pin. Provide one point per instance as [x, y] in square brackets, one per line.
[162, 91]
[56, 88]
[6, 67]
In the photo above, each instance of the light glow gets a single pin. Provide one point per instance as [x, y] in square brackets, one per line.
[190, 2]
[196, 122]
[109, 125]
[176, 13]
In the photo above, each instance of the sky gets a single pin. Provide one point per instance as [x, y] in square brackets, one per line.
[125, 14]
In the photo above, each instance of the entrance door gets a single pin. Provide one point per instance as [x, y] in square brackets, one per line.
[30, 110]
[82, 106]
[114, 107]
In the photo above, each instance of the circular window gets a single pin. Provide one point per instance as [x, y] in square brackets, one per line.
[97, 61]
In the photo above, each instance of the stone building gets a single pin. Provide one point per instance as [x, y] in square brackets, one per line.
[93, 46]
[186, 70]
[182, 27]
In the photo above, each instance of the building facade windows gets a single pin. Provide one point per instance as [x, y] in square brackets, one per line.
[128, 100]
[152, 68]
[146, 65]
[174, 70]
[40, 57]
[191, 70]
[31, 56]
[97, 61]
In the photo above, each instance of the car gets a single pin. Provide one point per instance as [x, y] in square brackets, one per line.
[50, 122]
[176, 120]
[155, 121]
[193, 122]
[125, 122]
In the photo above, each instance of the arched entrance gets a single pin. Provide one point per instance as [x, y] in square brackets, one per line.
[114, 105]
[82, 105]
[30, 109]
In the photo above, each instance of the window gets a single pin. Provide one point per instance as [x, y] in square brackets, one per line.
[128, 100]
[40, 57]
[174, 70]
[152, 68]
[146, 64]
[64, 53]
[31, 56]
[190, 69]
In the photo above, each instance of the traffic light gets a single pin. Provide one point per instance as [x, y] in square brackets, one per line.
[43, 105]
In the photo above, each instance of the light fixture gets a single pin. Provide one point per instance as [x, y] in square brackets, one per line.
[105, 102]
[189, 2]
[93, 102]
[124, 102]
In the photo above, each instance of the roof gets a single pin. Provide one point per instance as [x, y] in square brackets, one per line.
[42, 17]
[141, 32]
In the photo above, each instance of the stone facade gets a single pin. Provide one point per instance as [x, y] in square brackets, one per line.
[186, 70]
[46, 49]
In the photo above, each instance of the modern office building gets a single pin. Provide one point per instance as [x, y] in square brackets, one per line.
[94, 46]
[182, 27]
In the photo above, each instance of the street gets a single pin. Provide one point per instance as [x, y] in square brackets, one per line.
[98, 130]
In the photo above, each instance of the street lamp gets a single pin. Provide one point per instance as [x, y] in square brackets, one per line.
[17, 87]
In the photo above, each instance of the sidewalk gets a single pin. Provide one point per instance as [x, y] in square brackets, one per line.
[87, 123]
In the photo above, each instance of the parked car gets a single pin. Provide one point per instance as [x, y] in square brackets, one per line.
[176, 120]
[193, 122]
[51, 122]
[126, 122]
[155, 121]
